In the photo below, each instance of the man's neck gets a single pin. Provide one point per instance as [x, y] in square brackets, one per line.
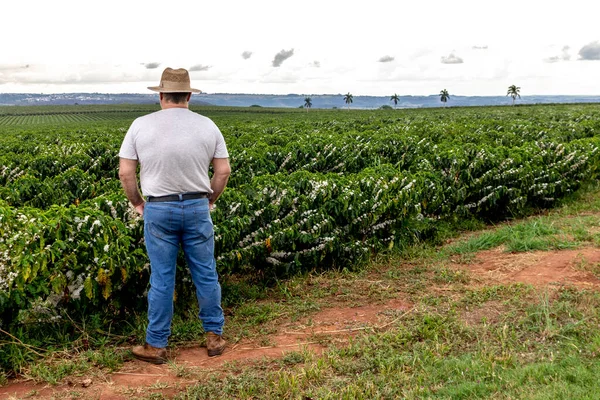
[166, 106]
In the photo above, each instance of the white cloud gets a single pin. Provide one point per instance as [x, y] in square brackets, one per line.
[199, 67]
[36, 74]
[564, 56]
[451, 59]
[282, 56]
[590, 51]
[386, 59]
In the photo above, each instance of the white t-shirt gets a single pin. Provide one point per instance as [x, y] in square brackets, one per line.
[174, 148]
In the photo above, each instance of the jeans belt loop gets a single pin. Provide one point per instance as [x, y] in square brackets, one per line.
[180, 197]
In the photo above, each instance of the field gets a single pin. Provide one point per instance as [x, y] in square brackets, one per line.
[351, 231]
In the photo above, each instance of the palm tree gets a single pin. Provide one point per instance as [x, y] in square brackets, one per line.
[348, 99]
[444, 96]
[307, 103]
[513, 91]
[395, 98]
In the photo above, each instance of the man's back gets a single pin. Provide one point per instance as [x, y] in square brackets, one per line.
[174, 148]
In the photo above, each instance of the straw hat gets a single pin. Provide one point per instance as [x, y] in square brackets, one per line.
[174, 81]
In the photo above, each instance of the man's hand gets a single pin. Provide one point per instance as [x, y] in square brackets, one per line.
[140, 208]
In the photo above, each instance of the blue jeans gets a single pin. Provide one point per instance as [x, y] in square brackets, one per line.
[167, 225]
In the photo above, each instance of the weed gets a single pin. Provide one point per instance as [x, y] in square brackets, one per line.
[293, 357]
[444, 274]
[54, 372]
[157, 396]
[180, 371]
[569, 294]
[105, 357]
[484, 241]
[258, 313]
[512, 293]
[159, 386]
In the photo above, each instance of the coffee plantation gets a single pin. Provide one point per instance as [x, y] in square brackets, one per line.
[318, 190]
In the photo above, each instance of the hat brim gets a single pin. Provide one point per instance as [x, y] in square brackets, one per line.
[165, 90]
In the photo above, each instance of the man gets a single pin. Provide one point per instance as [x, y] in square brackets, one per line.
[175, 148]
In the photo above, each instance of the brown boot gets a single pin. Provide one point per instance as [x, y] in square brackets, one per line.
[150, 354]
[215, 344]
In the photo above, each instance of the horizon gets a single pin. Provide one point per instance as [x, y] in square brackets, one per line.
[297, 94]
[290, 100]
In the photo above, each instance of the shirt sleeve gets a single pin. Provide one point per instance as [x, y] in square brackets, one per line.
[128, 146]
[221, 147]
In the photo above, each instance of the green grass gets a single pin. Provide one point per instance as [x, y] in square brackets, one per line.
[60, 365]
[575, 224]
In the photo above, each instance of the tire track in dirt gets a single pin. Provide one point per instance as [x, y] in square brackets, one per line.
[579, 268]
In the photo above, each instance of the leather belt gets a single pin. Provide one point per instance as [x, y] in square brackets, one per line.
[179, 197]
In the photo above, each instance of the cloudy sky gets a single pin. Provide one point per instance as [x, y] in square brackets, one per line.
[376, 47]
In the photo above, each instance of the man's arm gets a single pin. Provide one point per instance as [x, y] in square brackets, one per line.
[222, 170]
[127, 175]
